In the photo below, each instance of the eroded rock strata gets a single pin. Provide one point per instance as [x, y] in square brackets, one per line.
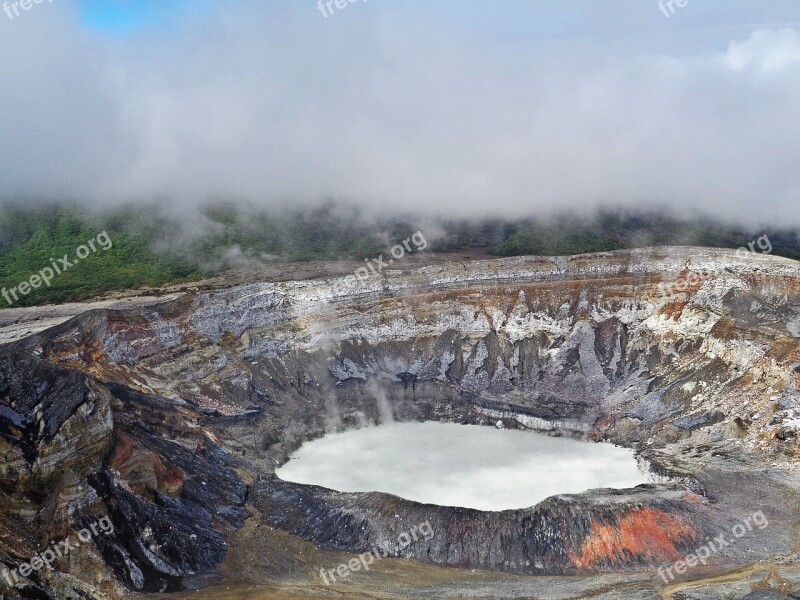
[171, 419]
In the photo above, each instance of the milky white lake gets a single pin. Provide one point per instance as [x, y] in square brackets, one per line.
[461, 465]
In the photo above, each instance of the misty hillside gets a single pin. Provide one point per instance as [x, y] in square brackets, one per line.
[151, 248]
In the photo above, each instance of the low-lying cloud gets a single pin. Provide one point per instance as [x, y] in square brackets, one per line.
[395, 110]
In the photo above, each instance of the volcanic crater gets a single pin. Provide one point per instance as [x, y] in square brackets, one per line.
[172, 419]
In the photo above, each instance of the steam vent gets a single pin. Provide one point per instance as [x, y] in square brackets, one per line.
[169, 422]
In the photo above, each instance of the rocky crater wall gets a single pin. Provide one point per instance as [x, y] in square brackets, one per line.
[171, 419]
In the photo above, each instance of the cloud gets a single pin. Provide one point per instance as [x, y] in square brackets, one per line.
[400, 109]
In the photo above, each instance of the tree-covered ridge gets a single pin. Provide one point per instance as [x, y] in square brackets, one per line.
[30, 237]
[150, 247]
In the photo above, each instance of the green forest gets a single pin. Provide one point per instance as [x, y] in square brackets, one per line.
[152, 247]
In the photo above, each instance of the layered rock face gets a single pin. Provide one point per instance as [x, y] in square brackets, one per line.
[171, 420]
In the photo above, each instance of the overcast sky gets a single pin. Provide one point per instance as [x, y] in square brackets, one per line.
[438, 106]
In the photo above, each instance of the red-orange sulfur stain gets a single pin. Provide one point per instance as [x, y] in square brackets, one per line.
[646, 533]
